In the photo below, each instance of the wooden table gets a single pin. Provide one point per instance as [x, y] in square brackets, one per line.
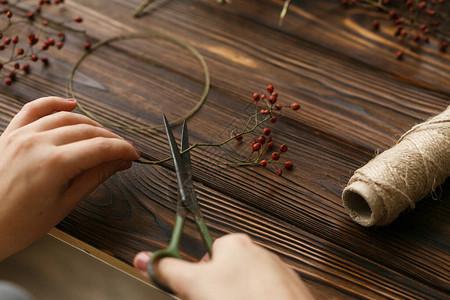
[356, 99]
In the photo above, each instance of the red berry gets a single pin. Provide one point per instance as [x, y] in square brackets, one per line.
[393, 15]
[273, 119]
[278, 106]
[26, 68]
[44, 47]
[50, 41]
[256, 97]
[399, 54]
[1, 66]
[376, 25]
[87, 45]
[266, 131]
[278, 172]
[30, 15]
[295, 106]
[264, 111]
[20, 51]
[17, 66]
[9, 14]
[12, 75]
[426, 39]
[34, 57]
[78, 19]
[422, 5]
[263, 96]
[15, 39]
[2, 47]
[33, 39]
[8, 81]
[270, 88]
[272, 99]
[261, 140]
[238, 137]
[263, 163]
[256, 146]
[275, 156]
[283, 148]
[288, 165]
[430, 12]
[416, 37]
[59, 45]
[434, 23]
[443, 46]
[61, 34]
[270, 145]
[44, 60]
[6, 41]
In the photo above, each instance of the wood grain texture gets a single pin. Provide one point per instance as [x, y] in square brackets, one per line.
[356, 99]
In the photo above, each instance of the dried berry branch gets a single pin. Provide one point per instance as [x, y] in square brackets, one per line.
[42, 35]
[261, 147]
[415, 22]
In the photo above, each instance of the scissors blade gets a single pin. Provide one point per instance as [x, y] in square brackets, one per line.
[186, 157]
[184, 180]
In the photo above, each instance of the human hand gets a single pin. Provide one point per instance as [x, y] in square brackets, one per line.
[239, 269]
[51, 159]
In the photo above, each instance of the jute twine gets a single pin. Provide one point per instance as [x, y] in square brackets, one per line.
[401, 176]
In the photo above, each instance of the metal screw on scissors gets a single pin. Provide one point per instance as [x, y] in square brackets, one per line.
[187, 204]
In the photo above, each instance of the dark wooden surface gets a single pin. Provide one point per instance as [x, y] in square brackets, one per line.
[356, 99]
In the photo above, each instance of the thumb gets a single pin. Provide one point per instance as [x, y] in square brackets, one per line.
[176, 274]
[84, 183]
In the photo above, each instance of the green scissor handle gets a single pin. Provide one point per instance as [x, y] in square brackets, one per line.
[173, 249]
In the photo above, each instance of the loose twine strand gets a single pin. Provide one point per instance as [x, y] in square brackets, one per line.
[401, 176]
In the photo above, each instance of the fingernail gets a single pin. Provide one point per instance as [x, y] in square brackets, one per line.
[141, 261]
[70, 100]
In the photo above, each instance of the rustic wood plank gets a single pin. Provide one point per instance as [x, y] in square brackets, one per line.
[351, 106]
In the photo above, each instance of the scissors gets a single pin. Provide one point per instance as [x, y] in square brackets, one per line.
[187, 204]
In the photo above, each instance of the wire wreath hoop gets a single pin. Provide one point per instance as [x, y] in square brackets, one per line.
[148, 35]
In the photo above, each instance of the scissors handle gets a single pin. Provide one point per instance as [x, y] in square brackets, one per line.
[171, 251]
[204, 233]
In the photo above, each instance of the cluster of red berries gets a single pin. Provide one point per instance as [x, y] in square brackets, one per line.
[29, 49]
[415, 21]
[264, 145]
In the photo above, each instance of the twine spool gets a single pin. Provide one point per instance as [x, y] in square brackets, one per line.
[401, 176]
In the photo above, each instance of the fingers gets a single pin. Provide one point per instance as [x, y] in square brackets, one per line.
[179, 275]
[225, 244]
[140, 262]
[86, 154]
[62, 119]
[39, 108]
[175, 273]
[71, 134]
